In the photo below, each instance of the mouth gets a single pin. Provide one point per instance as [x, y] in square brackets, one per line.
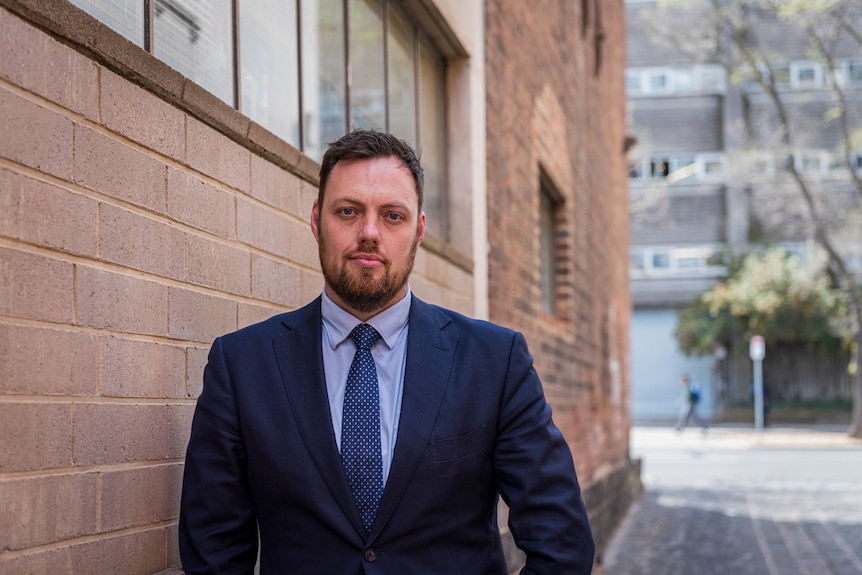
[366, 260]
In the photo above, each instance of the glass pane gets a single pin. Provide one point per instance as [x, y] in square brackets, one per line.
[367, 86]
[402, 78]
[195, 37]
[661, 260]
[270, 66]
[323, 74]
[432, 138]
[124, 16]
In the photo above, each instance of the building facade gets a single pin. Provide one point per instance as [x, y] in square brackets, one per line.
[708, 180]
[157, 171]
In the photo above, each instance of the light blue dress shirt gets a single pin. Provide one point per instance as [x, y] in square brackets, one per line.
[389, 353]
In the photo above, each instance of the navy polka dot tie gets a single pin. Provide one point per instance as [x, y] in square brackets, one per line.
[360, 427]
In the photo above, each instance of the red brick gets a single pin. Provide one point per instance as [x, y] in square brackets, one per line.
[140, 242]
[138, 553]
[218, 157]
[179, 428]
[277, 187]
[50, 561]
[46, 215]
[35, 287]
[275, 281]
[156, 498]
[36, 436]
[115, 169]
[110, 433]
[44, 361]
[200, 204]
[108, 300]
[200, 317]
[196, 360]
[132, 368]
[35, 136]
[44, 510]
[140, 116]
[262, 228]
[217, 265]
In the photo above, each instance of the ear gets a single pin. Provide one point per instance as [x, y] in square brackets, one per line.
[315, 221]
[421, 228]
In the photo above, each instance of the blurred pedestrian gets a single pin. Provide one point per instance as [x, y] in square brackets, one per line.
[688, 404]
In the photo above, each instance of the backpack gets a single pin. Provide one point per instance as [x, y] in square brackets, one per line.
[693, 393]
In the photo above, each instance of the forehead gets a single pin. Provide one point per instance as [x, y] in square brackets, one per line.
[360, 177]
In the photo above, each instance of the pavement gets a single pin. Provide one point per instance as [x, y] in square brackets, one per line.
[736, 501]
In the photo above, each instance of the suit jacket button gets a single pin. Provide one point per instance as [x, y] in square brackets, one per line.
[370, 555]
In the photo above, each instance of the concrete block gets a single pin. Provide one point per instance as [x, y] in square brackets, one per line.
[44, 510]
[142, 117]
[218, 265]
[35, 286]
[199, 317]
[217, 156]
[196, 360]
[111, 433]
[137, 553]
[140, 496]
[47, 216]
[122, 303]
[179, 430]
[263, 228]
[35, 136]
[115, 169]
[201, 204]
[132, 368]
[275, 281]
[140, 242]
[36, 436]
[41, 361]
[50, 561]
[277, 187]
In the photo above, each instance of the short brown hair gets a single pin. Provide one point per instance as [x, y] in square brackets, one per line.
[369, 145]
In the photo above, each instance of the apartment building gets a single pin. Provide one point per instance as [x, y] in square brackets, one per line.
[708, 179]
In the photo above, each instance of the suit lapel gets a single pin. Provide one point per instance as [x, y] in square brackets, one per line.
[300, 360]
[430, 353]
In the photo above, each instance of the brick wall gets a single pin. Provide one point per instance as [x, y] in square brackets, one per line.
[138, 221]
[556, 104]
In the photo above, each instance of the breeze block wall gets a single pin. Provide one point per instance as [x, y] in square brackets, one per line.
[140, 218]
[556, 106]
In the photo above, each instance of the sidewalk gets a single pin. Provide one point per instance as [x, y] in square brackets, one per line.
[737, 501]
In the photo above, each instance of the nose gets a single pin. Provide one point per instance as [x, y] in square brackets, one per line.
[369, 231]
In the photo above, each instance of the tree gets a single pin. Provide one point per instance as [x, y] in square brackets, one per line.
[777, 124]
[772, 293]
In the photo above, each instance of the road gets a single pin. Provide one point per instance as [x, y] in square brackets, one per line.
[735, 501]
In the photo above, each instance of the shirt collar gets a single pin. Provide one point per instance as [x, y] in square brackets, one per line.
[338, 323]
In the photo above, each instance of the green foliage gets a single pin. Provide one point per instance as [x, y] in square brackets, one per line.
[773, 294]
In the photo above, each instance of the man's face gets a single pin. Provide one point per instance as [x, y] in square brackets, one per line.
[367, 228]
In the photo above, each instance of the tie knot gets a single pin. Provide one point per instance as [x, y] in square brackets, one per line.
[364, 336]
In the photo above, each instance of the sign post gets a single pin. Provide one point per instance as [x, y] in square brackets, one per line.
[757, 351]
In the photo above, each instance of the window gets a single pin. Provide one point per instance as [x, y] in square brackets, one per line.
[702, 78]
[806, 74]
[549, 204]
[307, 70]
[664, 261]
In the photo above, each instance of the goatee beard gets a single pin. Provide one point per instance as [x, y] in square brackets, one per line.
[361, 292]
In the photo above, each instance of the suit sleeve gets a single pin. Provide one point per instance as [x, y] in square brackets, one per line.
[217, 528]
[536, 477]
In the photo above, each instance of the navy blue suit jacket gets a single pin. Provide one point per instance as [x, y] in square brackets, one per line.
[262, 460]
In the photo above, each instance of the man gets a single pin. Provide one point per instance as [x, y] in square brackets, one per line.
[689, 400]
[380, 453]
